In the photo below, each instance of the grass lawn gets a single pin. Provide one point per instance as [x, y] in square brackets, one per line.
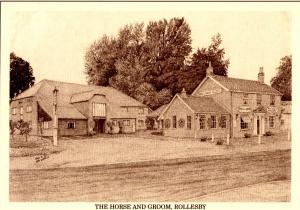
[107, 149]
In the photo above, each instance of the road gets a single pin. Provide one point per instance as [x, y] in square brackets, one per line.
[185, 179]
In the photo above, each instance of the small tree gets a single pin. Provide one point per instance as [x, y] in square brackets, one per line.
[24, 128]
[12, 128]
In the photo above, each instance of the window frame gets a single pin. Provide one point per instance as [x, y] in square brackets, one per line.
[223, 120]
[243, 125]
[21, 110]
[141, 123]
[71, 123]
[126, 123]
[272, 100]
[44, 125]
[189, 122]
[14, 111]
[272, 122]
[245, 99]
[174, 121]
[213, 123]
[29, 108]
[202, 122]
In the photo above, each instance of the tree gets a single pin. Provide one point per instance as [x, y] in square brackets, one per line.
[283, 79]
[195, 72]
[24, 128]
[21, 75]
[169, 43]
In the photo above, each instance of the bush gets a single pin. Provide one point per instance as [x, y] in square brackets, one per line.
[158, 133]
[203, 138]
[219, 142]
[247, 135]
[268, 133]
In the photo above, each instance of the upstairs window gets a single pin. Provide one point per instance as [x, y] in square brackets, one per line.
[258, 99]
[71, 125]
[189, 122]
[21, 110]
[245, 99]
[99, 110]
[141, 110]
[174, 122]
[14, 111]
[45, 125]
[29, 108]
[202, 122]
[272, 100]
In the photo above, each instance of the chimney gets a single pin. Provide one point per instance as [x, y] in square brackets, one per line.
[55, 118]
[261, 75]
[183, 93]
[209, 70]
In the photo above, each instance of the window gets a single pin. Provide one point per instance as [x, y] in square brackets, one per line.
[141, 110]
[174, 121]
[189, 122]
[202, 122]
[71, 125]
[282, 122]
[29, 108]
[245, 99]
[271, 121]
[181, 123]
[223, 121]
[126, 122]
[141, 123]
[21, 110]
[167, 123]
[14, 111]
[258, 99]
[99, 109]
[244, 123]
[213, 123]
[114, 122]
[272, 100]
[45, 124]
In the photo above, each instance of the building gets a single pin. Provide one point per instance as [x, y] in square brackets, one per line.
[79, 109]
[246, 106]
[286, 115]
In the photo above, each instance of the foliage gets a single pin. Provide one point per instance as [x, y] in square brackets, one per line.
[24, 128]
[283, 79]
[247, 135]
[21, 75]
[150, 63]
[219, 142]
[149, 123]
[203, 138]
[268, 133]
[12, 127]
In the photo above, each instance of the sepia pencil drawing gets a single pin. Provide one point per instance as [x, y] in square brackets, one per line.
[156, 118]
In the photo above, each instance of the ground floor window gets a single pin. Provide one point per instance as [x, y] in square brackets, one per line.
[189, 122]
[244, 123]
[282, 122]
[174, 122]
[71, 125]
[181, 123]
[126, 122]
[223, 121]
[271, 122]
[202, 122]
[213, 121]
[167, 123]
[45, 124]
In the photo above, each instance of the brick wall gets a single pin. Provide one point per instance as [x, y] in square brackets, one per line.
[80, 127]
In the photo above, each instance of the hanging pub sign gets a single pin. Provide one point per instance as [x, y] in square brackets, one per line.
[244, 109]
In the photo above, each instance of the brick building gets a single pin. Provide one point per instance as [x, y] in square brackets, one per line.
[80, 109]
[246, 106]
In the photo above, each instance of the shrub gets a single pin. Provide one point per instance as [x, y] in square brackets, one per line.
[203, 138]
[158, 133]
[219, 142]
[268, 133]
[247, 135]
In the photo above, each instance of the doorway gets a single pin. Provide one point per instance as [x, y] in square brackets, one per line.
[258, 125]
[99, 126]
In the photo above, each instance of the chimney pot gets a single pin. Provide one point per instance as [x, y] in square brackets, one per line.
[209, 70]
[183, 93]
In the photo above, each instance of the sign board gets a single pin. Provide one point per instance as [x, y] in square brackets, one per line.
[244, 109]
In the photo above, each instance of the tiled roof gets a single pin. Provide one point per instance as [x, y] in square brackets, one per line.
[71, 92]
[204, 105]
[158, 111]
[243, 85]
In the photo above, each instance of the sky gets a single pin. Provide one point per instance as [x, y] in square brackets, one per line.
[55, 41]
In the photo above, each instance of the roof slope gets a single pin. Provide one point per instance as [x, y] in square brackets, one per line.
[158, 111]
[71, 92]
[243, 85]
[203, 105]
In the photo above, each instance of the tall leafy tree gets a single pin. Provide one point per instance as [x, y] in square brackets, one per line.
[283, 79]
[21, 75]
[169, 43]
[195, 71]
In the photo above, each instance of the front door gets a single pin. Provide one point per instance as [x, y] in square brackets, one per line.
[99, 125]
[258, 125]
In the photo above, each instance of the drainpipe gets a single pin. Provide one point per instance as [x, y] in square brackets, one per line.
[55, 120]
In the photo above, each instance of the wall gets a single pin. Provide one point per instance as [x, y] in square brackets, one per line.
[30, 117]
[80, 127]
[180, 110]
